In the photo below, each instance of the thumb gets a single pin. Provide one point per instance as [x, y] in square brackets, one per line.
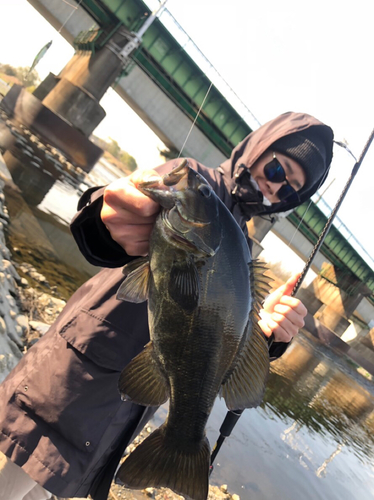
[286, 289]
[290, 284]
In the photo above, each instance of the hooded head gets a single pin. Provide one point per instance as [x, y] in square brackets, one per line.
[296, 135]
[312, 149]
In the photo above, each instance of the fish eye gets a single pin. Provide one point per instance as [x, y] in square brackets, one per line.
[205, 190]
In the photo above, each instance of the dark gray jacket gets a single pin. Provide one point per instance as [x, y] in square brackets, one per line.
[61, 417]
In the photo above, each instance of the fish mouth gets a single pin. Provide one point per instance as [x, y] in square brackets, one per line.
[177, 235]
[189, 241]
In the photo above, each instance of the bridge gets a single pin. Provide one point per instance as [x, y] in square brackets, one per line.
[165, 80]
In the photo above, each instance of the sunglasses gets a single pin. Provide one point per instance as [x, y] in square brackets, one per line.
[274, 172]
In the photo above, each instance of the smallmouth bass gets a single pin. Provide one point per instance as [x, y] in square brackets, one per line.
[203, 304]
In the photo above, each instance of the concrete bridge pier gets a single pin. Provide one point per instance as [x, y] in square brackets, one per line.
[82, 83]
[64, 110]
[337, 306]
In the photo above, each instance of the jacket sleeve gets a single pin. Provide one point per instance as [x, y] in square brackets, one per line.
[93, 238]
[91, 235]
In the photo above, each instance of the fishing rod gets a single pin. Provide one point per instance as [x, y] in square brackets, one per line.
[233, 416]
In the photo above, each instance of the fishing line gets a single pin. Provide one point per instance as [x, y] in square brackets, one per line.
[75, 8]
[196, 117]
[342, 145]
[307, 208]
[332, 215]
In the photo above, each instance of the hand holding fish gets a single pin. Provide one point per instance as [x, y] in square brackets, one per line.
[283, 315]
[128, 214]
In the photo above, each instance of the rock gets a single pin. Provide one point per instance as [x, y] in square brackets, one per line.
[150, 492]
[2, 326]
[10, 269]
[23, 323]
[235, 497]
[38, 277]
[40, 327]
[12, 335]
[48, 301]
[224, 488]
[24, 283]
[11, 301]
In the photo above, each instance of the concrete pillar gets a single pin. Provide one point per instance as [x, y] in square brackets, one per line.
[368, 340]
[83, 82]
[337, 307]
[258, 228]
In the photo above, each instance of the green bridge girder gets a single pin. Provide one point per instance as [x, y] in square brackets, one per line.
[336, 249]
[174, 71]
[166, 62]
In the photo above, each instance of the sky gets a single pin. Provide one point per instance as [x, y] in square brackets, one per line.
[314, 57]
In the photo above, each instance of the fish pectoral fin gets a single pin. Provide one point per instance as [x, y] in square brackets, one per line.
[245, 386]
[142, 381]
[184, 284]
[136, 285]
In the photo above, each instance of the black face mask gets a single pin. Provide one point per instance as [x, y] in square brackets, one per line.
[247, 194]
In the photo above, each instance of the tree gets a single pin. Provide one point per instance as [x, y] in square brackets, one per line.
[28, 79]
[128, 160]
[114, 149]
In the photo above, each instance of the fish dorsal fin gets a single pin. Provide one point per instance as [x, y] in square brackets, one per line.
[260, 283]
[142, 381]
[136, 285]
[246, 384]
[184, 284]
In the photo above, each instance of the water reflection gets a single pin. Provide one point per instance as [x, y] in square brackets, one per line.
[311, 438]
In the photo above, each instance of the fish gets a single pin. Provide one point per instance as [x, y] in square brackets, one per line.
[204, 294]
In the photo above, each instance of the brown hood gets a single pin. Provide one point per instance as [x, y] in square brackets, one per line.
[254, 145]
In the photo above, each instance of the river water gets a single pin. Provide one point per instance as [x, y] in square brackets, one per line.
[312, 438]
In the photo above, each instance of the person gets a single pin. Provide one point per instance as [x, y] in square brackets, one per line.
[63, 426]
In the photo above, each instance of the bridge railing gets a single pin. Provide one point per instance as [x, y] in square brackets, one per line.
[182, 37]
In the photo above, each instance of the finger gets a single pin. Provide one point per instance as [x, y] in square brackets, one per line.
[285, 289]
[131, 235]
[123, 194]
[290, 284]
[293, 316]
[144, 175]
[280, 334]
[265, 328]
[295, 304]
[120, 217]
[285, 323]
[139, 249]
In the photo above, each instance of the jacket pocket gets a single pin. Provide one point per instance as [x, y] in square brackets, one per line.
[73, 388]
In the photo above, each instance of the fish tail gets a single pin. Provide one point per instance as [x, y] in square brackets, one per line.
[157, 463]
